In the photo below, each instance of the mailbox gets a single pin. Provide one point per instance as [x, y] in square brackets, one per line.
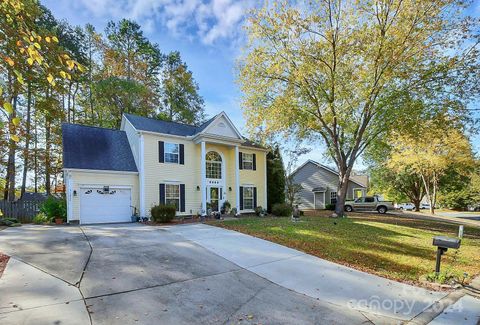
[443, 243]
[446, 242]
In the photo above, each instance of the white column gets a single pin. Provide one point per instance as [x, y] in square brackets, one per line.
[203, 171]
[237, 181]
[141, 172]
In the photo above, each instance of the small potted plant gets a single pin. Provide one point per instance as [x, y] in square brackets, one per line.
[226, 207]
[54, 209]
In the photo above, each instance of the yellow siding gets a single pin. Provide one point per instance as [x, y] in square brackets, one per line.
[255, 177]
[189, 174]
[80, 179]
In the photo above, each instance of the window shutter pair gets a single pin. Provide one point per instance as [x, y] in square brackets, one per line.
[254, 197]
[182, 196]
[161, 153]
[240, 161]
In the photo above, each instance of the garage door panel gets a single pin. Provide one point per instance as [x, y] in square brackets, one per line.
[99, 207]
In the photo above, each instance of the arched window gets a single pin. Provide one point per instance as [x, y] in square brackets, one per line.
[214, 165]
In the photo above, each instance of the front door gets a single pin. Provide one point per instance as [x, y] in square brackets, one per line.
[214, 197]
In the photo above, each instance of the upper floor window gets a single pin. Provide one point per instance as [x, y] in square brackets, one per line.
[171, 152]
[247, 161]
[213, 165]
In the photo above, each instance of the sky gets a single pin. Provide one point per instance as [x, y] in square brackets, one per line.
[208, 34]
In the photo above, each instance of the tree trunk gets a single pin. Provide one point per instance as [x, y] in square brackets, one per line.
[11, 156]
[26, 153]
[343, 176]
[47, 156]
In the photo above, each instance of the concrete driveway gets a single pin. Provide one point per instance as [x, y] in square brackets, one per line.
[133, 274]
[191, 274]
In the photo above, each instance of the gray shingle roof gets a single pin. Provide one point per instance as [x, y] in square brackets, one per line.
[174, 128]
[88, 147]
[166, 127]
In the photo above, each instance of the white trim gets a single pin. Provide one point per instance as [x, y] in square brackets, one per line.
[265, 181]
[254, 148]
[216, 139]
[237, 181]
[80, 186]
[222, 114]
[327, 169]
[99, 171]
[203, 173]
[69, 189]
[141, 181]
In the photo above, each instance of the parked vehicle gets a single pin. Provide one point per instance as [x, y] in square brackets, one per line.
[405, 206]
[368, 203]
[425, 206]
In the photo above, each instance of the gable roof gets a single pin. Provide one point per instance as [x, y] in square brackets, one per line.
[88, 147]
[351, 179]
[180, 129]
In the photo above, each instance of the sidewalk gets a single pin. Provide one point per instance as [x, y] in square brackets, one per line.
[427, 216]
[379, 299]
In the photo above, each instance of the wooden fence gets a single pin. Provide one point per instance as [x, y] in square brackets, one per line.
[24, 211]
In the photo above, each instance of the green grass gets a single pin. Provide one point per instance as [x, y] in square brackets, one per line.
[392, 247]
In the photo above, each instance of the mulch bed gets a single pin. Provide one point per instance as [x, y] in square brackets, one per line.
[3, 262]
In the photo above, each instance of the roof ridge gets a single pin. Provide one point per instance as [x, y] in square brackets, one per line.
[166, 121]
[92, 126]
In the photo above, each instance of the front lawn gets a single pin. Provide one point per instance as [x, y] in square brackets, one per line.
[392, 247]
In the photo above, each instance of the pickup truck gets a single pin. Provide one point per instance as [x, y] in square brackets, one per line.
[368, 203]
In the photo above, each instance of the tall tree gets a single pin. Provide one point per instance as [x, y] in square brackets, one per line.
[337, 69]
[275, 178]
[181, 100]
[431, 155]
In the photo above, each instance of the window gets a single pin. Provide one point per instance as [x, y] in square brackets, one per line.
[333, 197]
[172, 195]
[357, 193]
[171, 153]
[248, 198]
[369, 199]
[247, 161]
[214, 165]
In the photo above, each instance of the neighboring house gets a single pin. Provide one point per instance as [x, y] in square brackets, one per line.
[111, 173]
[319, 185]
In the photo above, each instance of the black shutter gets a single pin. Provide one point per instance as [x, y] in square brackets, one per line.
[182, 156]
[161, 152]
[240, 161]
[254, 162]
[182, 197]
[241, 199]
[254, 197]
[162, 194]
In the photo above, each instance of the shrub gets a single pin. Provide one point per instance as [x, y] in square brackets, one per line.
[226, 207]
[233, 211]
[281, 210]
[163, 213]
[54, 208]
[9, 222]
[41, 218]
[329, 206]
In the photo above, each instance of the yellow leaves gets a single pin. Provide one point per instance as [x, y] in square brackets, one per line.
[48, 39]
[37, 45]
[16, 121]
[80, 67]
[55, 39]
[8, 107]
[10, 61]
[15, 138]
[30, 61]
[51, 79]
[70, 64]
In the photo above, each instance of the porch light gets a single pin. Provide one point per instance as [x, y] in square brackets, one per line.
[230, 188]
[198, 188]
[74, 192]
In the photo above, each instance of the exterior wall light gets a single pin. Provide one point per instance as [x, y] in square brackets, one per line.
[230, 188]
[198, 188]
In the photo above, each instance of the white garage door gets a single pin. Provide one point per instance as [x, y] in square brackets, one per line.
[97, 206]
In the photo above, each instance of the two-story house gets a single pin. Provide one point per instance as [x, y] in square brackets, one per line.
[110, 174]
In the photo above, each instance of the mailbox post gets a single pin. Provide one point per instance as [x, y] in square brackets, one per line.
[443, 243]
